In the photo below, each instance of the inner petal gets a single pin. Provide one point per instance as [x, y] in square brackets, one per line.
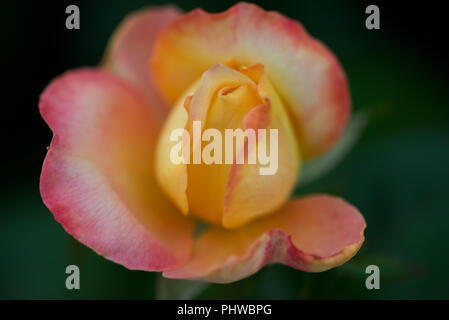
[207, 182]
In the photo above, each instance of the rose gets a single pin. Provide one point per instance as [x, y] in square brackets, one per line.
[108, 178]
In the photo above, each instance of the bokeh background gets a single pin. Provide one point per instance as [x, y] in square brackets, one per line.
[397, 173]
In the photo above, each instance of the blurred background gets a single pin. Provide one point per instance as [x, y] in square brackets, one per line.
[396, 174]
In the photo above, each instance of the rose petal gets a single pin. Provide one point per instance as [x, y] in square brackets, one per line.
[221, 101]
[313, 233]
[172, 177]
[131, 46]
[97, 178]
[303, 71]
[249, 193]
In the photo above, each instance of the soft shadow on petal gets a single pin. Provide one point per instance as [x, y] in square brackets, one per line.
[131, 46]
[313, 233]
[97, 178]
[306, 74]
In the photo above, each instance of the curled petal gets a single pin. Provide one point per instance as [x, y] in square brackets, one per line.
[131, 47]
[313, 233]
[97, 178]
[303, 71]
[218, 76]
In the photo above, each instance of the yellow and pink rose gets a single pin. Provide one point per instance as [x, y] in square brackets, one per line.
[108, 178]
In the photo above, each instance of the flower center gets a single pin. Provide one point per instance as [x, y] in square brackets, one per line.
[227, 104]
[207, 183]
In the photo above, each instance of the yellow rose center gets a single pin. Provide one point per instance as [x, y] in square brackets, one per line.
[226, 97]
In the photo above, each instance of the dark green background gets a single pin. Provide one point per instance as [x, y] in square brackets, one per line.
[397, 174]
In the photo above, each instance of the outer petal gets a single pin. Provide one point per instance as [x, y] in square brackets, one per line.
[313, 233]
[131, 47]
[304, 72]
[97, 178]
